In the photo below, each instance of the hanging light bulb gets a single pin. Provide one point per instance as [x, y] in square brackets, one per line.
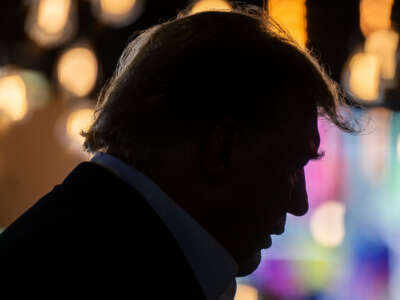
[69, 126]
[51, 22]
[383, 44]
[13, 99]
[210, 5]
[291, 15]
[375, 15]
[77, 70]
[364, 76]
[118, 13]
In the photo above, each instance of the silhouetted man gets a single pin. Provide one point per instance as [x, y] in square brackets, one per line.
[199, 141]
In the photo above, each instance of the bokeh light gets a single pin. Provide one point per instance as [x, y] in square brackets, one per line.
[292, 16]
[210, 5]
[246, 292]
[53, 15]
[383, 44]
[13, 99]
[51, 22]
[77, 70]
[70, 124]
[327, 224]
[364, 73]
[118, 13]
[77, 121]
[117, 7]
[375, 15]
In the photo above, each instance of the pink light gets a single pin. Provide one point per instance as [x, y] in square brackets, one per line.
[324, 177]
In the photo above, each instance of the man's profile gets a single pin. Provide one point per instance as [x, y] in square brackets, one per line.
[199, 141]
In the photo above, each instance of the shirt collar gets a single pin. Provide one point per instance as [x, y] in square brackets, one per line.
[213, 266]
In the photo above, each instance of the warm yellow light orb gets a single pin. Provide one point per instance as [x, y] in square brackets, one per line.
[246, 292]
[51, 22]
[384, 43]
[77, 71]
[211, 5]
[77, 121]
[13, 99]
[364, 79]
[292, 16]
[53, 15]
[327, 224]
[375, 15]
[117, 7]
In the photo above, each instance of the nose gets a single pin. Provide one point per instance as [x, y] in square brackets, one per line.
[298, 202]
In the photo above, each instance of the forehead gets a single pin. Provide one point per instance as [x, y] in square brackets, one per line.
[293, 126]
[298, 136]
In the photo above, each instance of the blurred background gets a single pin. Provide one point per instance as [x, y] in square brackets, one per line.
[55, 55]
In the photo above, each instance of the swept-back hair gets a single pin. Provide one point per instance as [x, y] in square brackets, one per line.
[175, 80]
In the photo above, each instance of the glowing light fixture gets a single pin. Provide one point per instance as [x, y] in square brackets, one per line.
[13, 99]
[291, 15]
[117, 7]
[77, 121]
[364, 69]
[375, 15]
[384, 45]
[53, 15]
[327, 224]
[118, 12]
[78, 116]
[51, 22]
[77, 70]
[246, 292]
[210, 5]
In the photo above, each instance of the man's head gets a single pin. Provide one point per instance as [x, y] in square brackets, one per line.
[221, 112]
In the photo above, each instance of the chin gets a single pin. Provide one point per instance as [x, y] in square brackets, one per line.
[248, 265]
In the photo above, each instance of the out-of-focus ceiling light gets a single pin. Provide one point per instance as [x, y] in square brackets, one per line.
[13, 98]
[383, 44]
[292, 16]
[210, 5]
[51, 22]
[375, 15]
[364, 77]
[118, 13]
[77, 70]
[327, 224]
[70, 124]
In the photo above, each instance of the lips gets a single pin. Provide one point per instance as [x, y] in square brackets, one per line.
[279, 226]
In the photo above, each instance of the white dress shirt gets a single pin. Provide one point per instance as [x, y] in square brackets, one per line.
[213, 266]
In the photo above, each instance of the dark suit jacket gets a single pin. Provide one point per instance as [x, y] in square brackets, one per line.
[94, 235]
